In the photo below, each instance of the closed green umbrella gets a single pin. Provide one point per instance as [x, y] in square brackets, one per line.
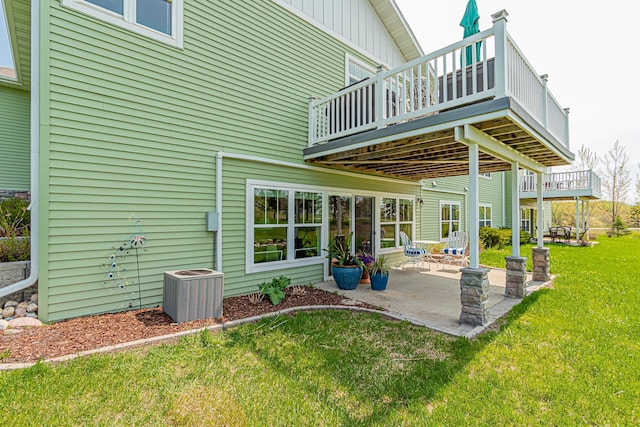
[470, 24]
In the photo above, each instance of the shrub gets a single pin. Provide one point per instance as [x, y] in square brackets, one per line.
[14, 217]
[14, 249]
[490, 237]
[618, 227]
[499, 238]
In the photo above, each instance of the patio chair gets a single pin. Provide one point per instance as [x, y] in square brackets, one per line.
[413, 254]
[455, 248]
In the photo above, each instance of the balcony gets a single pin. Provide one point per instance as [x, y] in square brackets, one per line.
[414, 121]
[563, 186]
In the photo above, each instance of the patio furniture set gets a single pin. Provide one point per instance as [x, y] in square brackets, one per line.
[558, 232]
[454, 250]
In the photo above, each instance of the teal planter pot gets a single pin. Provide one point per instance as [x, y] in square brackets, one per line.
[379, 281]
[347, 278]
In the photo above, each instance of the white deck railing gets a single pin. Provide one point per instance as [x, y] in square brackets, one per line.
[563, 181]
[490, 62]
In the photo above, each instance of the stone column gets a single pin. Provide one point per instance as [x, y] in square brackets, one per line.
[474, 295]
[541, 265]
[516, 277]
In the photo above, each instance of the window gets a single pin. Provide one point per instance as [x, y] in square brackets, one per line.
[158, 19]
[449, 218]
[485, 175]
[287, 224]
[395, 215]
[485, 216]
[356, 71]
[525, 219]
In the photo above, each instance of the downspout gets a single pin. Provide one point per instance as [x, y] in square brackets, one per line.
[219, 157]
[35, 155]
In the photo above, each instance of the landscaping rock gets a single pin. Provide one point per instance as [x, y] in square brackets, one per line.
[34, 298]
[10, 331]
[23, 304]
[31, 315]
[10, 303]
[3, 324]
[8, 312]
[20, 312]
[32, 308]
[24, 322]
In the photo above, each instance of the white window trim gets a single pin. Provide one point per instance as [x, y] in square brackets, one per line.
[128, 21]
[485, 206]
[486, 175]
[251, 184]
[250, 266]
[350, 58]
[448, 202]
[528, 220]
[397, 245]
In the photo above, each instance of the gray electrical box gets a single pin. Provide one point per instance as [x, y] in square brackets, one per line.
[192, 294]
[212, 221]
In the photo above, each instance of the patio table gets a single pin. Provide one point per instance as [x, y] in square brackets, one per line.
[428, 246]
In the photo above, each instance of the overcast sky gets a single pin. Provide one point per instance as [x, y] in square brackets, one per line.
[585, 46]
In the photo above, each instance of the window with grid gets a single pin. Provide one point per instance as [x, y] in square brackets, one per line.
[158, 19]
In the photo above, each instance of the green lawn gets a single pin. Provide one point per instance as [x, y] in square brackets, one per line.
[565, 356]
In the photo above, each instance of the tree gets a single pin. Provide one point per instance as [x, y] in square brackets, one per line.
[638, 186]
[616, 180]
[634, 215]
[585, 160]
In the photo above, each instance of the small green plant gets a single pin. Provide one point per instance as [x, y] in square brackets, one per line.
[339, 251]
[5, 354]
[380, 266]
[275, 289]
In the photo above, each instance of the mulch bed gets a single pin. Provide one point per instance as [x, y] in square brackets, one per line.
[91, 332]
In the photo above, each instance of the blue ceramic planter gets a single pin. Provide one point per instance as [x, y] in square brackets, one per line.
[346, 278]
[379, 281]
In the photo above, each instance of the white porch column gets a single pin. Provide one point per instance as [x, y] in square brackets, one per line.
[500, 27]
[540, 233]
[474, 203]
[577, 217]
[515, 209]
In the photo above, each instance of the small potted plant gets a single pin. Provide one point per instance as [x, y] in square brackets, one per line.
[379, 272]
[367, 260]
[346, 268]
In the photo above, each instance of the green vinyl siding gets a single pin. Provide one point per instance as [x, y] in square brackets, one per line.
[14, 139]
[134, 129]
[455, 190]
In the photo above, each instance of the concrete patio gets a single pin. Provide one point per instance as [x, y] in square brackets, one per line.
[432, 297]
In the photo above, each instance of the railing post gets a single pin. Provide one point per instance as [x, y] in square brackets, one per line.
[500, 30]
[545, 100]
[378, 95]
[312, 120]
[566, 127]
